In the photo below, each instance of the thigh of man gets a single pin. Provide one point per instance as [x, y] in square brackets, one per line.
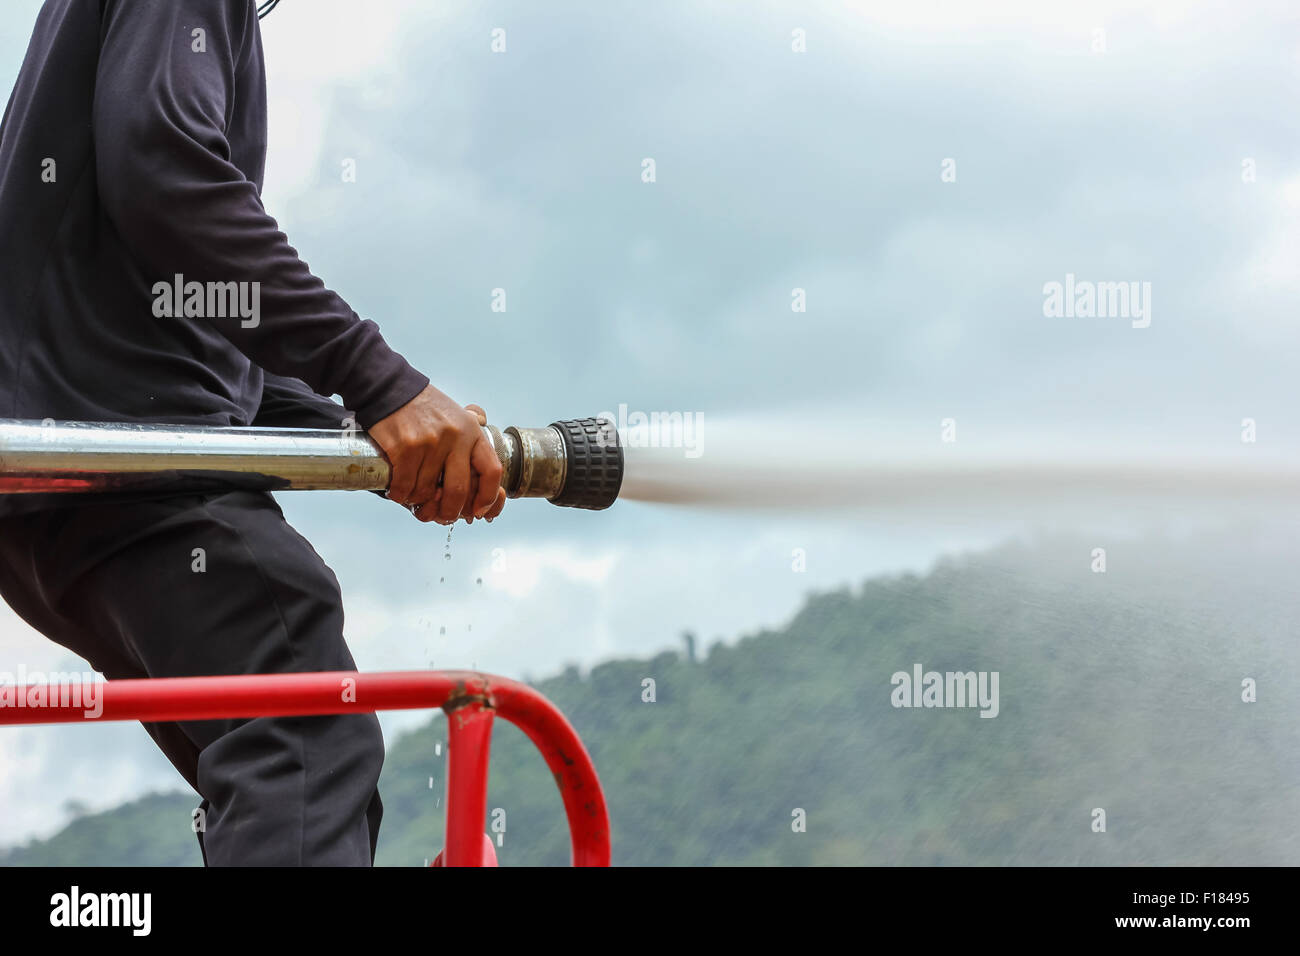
[217, 584]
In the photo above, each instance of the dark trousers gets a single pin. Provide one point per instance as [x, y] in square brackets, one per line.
[205, 585]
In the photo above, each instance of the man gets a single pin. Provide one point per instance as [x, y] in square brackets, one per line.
[131, 154]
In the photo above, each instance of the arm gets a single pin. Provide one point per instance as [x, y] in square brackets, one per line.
[290, 403]
[169, 187]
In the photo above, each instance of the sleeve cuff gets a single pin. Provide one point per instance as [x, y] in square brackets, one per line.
[399, 385]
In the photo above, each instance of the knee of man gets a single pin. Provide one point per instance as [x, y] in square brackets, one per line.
[365, 745]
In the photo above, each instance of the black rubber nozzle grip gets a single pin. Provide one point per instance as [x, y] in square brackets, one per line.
[594, 473]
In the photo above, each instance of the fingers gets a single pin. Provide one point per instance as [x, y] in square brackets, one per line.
[471, 509]
[430, 512]
[487, 466]
[467, 512]
[426, 490]
[455, 484]
[402, 472]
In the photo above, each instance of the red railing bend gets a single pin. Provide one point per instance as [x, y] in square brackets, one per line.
[470, 699]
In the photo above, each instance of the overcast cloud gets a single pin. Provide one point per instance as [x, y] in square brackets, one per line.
[775, 170]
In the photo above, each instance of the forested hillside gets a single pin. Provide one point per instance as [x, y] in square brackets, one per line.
[1119, 691]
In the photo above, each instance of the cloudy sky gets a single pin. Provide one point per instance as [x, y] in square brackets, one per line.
[1147, 142]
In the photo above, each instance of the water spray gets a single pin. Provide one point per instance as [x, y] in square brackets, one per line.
[576, 463]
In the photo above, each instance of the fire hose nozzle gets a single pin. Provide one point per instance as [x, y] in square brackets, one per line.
[577, 463]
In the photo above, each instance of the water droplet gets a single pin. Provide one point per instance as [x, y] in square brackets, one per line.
[442, 630]
[447, 555]
[479, 581]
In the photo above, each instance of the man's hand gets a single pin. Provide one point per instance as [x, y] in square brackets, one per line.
[443, 466]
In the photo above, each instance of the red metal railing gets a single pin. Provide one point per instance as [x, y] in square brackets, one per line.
[470, 699]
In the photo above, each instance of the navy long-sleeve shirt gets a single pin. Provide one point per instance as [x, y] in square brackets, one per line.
[131, 152]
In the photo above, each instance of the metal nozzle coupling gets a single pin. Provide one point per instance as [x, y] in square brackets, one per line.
[577, 463]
